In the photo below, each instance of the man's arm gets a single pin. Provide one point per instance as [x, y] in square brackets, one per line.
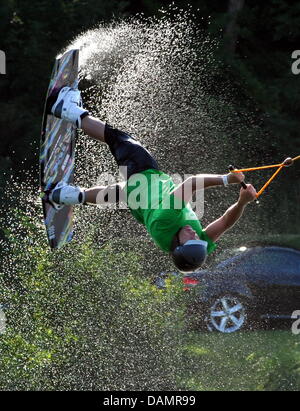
[232, 215]
[202, 181]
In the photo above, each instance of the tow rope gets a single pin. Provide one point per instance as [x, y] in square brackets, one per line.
[287, 163]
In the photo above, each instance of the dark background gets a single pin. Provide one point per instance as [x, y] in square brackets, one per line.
[258, 39]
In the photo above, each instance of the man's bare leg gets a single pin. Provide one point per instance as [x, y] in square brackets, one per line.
[94, 128]
[91, 194]
[105, 194]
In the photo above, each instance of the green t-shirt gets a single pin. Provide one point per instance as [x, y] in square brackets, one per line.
[163, 214]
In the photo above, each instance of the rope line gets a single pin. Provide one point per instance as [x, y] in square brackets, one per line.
[268, 182]
[278, 166]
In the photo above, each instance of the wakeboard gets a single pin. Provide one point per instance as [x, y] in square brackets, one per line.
[57, 152]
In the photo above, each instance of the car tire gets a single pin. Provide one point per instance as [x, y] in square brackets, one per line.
[228, 314]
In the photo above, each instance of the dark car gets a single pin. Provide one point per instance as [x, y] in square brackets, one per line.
[243, 291]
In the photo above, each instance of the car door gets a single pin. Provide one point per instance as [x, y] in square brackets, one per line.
[274, 277]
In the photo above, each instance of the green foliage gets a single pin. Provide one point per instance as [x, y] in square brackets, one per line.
[82, 318]
[246, 361]
[284, 378]
[262, 65]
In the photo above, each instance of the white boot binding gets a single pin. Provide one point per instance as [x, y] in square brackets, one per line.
[68, 106]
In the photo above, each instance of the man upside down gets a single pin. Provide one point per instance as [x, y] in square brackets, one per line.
[165, 212]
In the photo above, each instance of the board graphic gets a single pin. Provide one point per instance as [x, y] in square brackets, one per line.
[57, 152]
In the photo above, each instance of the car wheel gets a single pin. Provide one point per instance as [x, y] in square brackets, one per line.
[227, 314]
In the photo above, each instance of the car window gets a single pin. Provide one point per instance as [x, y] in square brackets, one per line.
[232, 258]
[270, 262]
[276, 258]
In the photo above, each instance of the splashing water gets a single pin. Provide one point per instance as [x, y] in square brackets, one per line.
[154, 78]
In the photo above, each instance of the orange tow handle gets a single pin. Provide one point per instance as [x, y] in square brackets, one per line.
[278, 166]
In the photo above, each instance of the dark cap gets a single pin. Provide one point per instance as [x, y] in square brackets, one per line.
[190, 256]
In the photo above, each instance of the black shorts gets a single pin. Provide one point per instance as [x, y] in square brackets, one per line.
[128, 152]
